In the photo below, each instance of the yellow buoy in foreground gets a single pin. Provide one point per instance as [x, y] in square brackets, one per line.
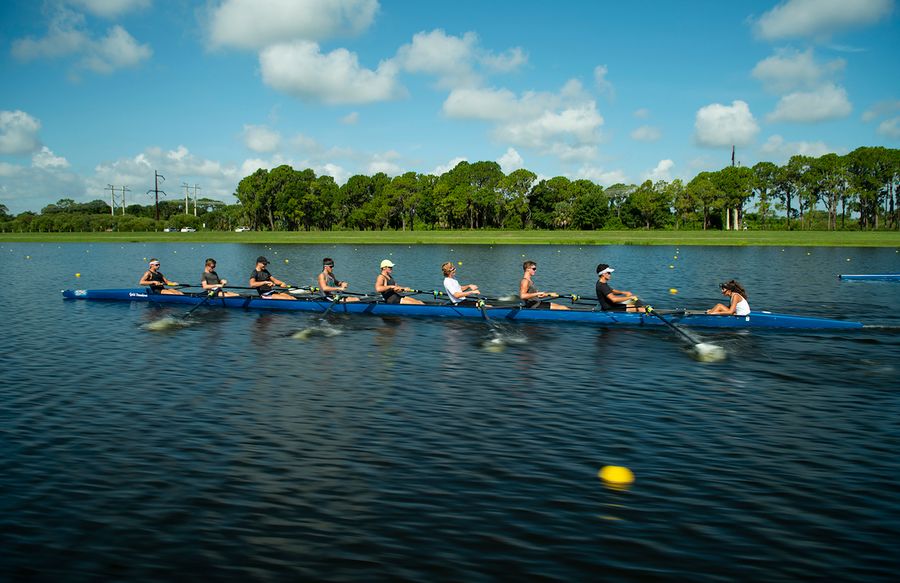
[616, 475]
[672, 290]
[77, 275]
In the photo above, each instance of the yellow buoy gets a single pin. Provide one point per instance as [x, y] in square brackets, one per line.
[77, 275]
[616, 475]
[459, 262]
[671, 267]
[672, 290]
[286, 261]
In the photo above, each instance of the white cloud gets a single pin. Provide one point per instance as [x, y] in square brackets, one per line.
[384, 162]
[819, 18]
[63, 38]
[117, 50]
[18, 133]
[453, 59]
[601, 176]
[252, 24]
[642, 113]
[881, 108]
[216, 180]
[447, 57]
[663, 171]
[66, 37]
[890, 128]
[827, 102]
[722, 125]
[603, 84]
[566, 124]
[261, 138]
[300, 69]
[781, 151]
[351, 118]
[646, 134]
[441, 169]
[48, 160]
[110, 8]
[789, 69]
[505, 62]
[511, 160]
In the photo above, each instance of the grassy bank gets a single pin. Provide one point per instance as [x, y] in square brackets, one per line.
[741, 238]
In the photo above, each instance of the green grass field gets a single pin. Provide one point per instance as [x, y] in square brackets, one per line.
[740, 238]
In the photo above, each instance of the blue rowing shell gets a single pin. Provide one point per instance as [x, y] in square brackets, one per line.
[500, 313]
[870, 277]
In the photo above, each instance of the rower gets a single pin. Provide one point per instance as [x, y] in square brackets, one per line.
[738, 306]
[389, 290]
[330, 286]
[458, 294]
[156, 282]
[210, 280]
[530, 295]
[262, 281]
[614, 299]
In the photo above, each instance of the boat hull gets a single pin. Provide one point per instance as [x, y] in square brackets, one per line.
[498, 313]
[870, 277]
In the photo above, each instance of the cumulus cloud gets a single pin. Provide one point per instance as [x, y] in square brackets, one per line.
[511, 160]
[663, 171]
[384, 162]
[117, 50]
[18, 133]
[819, 18]
[351, 118]
[880, 109]
[646, 134]
[444, 168]
[300, 69]
[453, 59]
[251, 24]
[603, 84]
[642, 113]
[824, 103]
[601, 176]
[216, 179]
[890, 128]
[789, 69]
[723, 125]
[110, 8]
[66, 37]
[48, 160]
[780, 151]
[261, 138]
[565, 124]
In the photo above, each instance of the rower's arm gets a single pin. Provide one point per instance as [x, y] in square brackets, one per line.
[381, 287]
[145, 280]
[523, 291]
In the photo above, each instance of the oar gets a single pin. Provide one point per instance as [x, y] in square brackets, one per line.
[431, 292]
[212, 293]
[705, 351]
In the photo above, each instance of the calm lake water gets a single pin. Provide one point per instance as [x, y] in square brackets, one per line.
[389, 450]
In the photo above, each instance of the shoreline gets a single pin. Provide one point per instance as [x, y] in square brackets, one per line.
[673, 238]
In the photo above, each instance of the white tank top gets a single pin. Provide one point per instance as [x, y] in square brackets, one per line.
[742, 308]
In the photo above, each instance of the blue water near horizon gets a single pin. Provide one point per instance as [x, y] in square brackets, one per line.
[379, 449]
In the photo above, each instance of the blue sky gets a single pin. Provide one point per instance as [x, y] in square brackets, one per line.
[99, 92]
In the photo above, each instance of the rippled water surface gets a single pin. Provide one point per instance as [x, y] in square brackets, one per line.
[375, 449]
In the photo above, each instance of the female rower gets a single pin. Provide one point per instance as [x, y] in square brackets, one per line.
[614, 299]
[457, 293]
[739, 306]
[156, 282]
[210, 280]
[532, 297]
[390, 291]
[262, 281]
[330, 285]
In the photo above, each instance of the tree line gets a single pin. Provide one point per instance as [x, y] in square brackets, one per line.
[854, 191]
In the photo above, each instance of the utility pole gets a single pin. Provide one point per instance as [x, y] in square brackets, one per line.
[156, 190]
[196, 188]
[124, 189]
[112, 198]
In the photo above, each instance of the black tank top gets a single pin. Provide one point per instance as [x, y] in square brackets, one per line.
[390, 296]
